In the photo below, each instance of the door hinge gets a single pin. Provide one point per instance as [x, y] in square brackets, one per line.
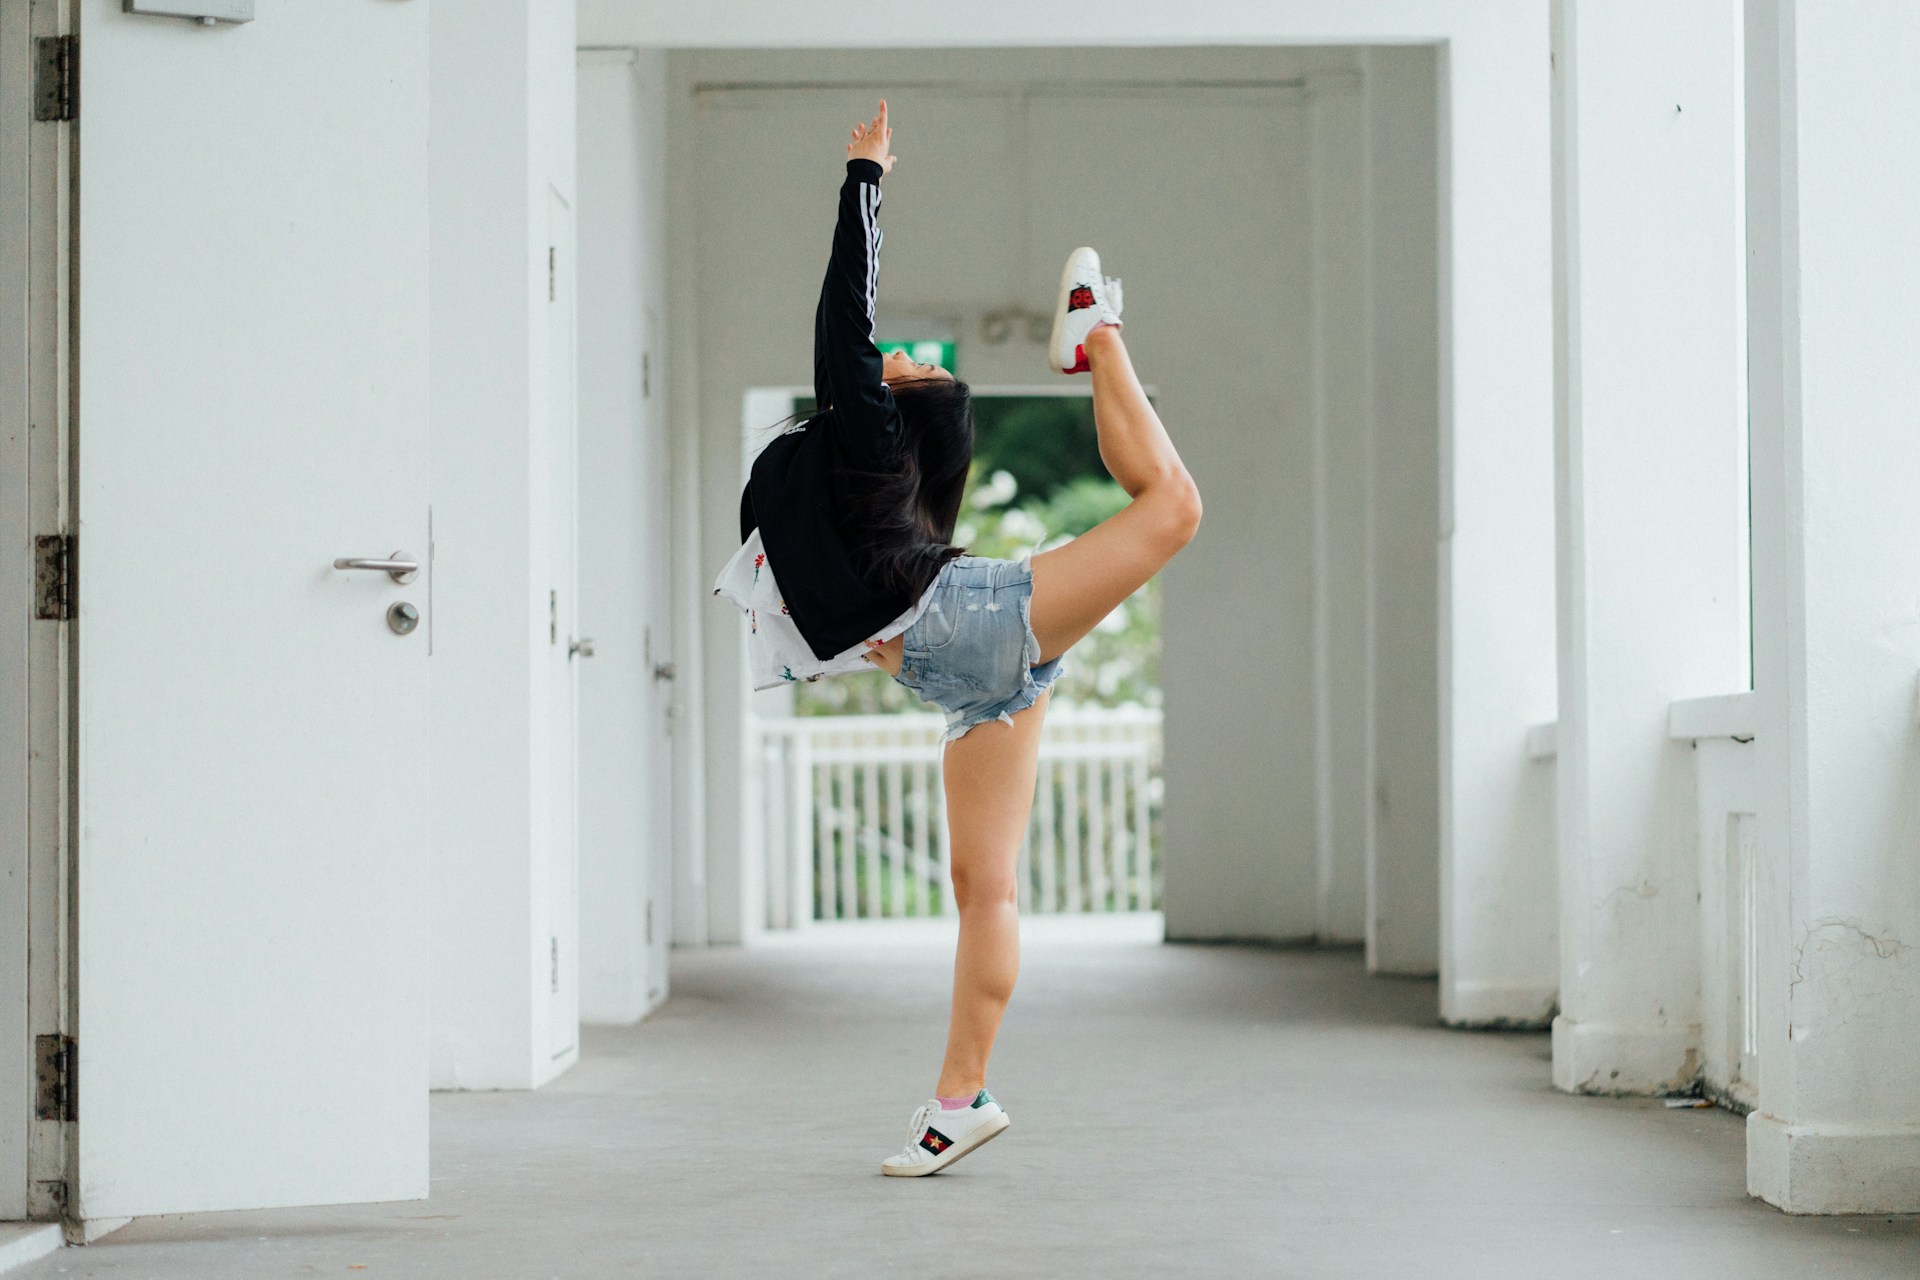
[53, 577]
[56, 78]
[57, 1095]
[553, 953]
[552, 271]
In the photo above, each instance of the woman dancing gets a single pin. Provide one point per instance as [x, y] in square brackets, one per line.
[855, 510]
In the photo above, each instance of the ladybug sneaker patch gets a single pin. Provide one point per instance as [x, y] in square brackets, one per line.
[939, 1135]
[1087, 300]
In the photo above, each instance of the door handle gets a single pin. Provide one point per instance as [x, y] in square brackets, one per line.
[401, 566]
[583, 646]
[663, 671]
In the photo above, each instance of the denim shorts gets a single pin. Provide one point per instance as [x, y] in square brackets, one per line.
[972, 652]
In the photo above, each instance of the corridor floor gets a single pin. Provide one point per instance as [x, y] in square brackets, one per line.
[1178, 1111]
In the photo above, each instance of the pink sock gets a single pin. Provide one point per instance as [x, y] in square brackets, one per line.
[954, 1104]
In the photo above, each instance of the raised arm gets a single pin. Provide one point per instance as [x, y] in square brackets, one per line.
[846, 363]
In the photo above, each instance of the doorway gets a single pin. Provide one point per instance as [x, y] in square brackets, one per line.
[842, 811]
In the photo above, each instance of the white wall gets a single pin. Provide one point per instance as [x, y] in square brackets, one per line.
[1652, 515]
[502, 136]
[1835, 306]
[625, 554]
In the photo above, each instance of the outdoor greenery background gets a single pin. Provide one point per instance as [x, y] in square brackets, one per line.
[1036, 482]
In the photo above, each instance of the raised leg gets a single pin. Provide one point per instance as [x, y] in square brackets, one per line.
[989, 773]
[1077, 585]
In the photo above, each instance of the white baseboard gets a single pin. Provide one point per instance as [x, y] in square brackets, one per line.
[1497, 1005]
[1606, 1058]
[1830, 1169]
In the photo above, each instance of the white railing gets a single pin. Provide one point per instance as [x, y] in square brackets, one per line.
[855, 817]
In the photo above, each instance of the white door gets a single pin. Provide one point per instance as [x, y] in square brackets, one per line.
[564, 643]
[252, 734]
[656, 709]
[624, 550]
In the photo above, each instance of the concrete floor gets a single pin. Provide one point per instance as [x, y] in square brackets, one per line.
[1284, 1115]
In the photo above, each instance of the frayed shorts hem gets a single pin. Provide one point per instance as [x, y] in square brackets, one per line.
[1036, 684]
[973, 653]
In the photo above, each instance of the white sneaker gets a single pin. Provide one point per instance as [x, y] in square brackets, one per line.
[1087, 300]
[939, 1137]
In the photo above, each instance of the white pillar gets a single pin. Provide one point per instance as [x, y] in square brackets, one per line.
[502, 137]
[1835, 286]
[1341, 402]
[1403, 199]
[1652, 518]
[1495, 552]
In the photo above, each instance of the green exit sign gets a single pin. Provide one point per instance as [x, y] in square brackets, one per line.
[924, 351]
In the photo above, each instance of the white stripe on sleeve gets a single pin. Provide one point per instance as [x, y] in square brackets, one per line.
[872, 211]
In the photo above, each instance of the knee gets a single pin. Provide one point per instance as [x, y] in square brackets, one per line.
[977, 888]
[1180, 500]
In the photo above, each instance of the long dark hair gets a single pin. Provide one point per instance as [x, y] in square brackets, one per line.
[901, 520]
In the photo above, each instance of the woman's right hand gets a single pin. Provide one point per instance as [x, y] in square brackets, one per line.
[870, 141]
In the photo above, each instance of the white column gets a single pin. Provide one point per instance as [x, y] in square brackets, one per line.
[1495, 550]
[1341, 401]
[1835, 286]
[502, 136]
[1652, 524]
[1403, 199]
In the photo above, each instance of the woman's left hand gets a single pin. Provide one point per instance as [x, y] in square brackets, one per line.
[870, 141]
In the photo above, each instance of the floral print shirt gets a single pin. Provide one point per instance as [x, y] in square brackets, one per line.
[777, 653]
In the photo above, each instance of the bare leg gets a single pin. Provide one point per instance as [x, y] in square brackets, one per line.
[989, 773]
[1077, 585]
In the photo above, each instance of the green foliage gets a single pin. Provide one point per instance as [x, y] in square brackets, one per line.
[1044, 442]
[1082, 504]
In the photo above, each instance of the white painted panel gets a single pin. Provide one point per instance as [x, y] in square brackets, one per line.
[252, 736]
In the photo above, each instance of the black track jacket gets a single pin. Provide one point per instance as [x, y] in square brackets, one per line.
[799, 483]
